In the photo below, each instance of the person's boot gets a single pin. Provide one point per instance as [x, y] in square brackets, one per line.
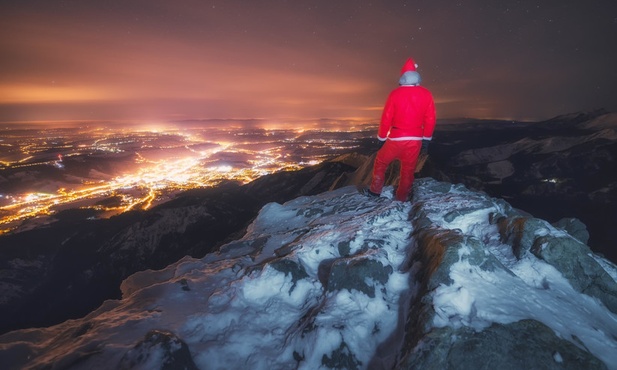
[369, 193]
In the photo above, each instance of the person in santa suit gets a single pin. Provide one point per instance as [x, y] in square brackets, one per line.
[406, 128]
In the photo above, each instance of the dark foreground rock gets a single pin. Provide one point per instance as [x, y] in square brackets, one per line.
[525, 344]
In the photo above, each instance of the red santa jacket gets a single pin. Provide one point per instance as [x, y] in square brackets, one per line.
[409, 113]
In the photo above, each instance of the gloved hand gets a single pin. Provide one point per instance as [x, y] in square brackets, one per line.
[424, 149]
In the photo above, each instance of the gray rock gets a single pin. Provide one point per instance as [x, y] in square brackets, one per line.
[574, 227]
[526, 344]
[440, 249]
[341, 358]
[573, 259]
[292, 268]
[161, 347]
[355, 273]
[521, 232]
[569, 255]
[437, 250]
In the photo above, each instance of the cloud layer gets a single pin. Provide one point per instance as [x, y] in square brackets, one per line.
[276, 58]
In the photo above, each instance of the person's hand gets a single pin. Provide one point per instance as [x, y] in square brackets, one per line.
[424, 149]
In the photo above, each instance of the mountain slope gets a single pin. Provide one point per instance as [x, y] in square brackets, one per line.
[337, 280]
[563, 167]
[66, 270]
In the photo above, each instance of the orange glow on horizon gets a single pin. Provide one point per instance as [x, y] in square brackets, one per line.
[189, 60]
[28, 93]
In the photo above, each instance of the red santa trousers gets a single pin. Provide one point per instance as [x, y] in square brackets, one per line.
[406, 152]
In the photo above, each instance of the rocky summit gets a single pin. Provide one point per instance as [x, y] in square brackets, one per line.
[455, 279]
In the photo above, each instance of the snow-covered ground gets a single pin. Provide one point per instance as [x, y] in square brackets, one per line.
[260, 304]
[318, 282]
[528, 288]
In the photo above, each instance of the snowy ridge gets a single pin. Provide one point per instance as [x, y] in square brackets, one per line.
[314, 283]
[488, 282]
[338, 280]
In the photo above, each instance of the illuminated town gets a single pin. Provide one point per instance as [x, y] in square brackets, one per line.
[115, 169]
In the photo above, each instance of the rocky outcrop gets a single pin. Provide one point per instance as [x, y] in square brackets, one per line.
[527, 343]
[160, 347]
[563, 167]
[564, 251]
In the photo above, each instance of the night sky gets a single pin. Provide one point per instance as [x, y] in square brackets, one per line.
[276, 59]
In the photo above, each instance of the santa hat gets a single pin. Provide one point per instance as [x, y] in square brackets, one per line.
[410, 65]
[409, 75]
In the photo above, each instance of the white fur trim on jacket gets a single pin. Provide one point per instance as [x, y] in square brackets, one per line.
[405, 138]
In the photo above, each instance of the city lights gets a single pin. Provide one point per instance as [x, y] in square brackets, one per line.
[113, 171]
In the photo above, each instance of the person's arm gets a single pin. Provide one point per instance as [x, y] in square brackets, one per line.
[386, 119]
[429, 119]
